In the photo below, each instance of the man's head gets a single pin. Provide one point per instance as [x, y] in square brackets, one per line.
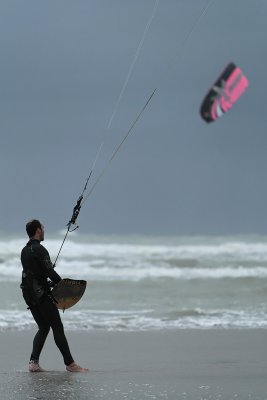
[35, 230]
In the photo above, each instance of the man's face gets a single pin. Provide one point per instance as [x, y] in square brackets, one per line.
[41, 233]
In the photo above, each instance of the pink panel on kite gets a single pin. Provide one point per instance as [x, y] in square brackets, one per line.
[235, 86]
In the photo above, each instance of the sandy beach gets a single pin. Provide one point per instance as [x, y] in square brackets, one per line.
[181, 364]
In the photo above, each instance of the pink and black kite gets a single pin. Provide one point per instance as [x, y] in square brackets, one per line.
[224, 93]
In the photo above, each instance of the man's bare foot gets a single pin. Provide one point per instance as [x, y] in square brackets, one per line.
[35, 367]
[73, 367]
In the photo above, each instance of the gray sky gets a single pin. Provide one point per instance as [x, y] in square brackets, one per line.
[63, 64]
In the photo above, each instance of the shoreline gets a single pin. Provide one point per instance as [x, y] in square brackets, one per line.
[176, 364]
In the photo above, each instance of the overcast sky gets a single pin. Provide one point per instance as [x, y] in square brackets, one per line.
[63, 65]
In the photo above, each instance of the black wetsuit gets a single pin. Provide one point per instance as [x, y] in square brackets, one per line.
[37, 269]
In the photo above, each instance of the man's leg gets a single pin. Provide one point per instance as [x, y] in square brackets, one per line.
[51, 314]
[41, 335]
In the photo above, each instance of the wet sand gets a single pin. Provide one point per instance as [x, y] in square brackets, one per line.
[182, 364]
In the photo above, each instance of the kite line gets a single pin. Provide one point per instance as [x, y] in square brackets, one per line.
[82, 199]
[149, 22]
[77, 208]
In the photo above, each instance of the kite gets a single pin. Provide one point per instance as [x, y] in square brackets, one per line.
[227, 89]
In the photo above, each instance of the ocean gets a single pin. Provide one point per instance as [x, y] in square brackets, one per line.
[148, 283]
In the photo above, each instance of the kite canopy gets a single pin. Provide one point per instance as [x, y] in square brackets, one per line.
[68, 292]
[231, 84]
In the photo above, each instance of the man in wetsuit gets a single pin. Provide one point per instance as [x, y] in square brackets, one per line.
[36, 290]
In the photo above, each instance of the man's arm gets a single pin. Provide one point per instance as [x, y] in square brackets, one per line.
[45, 261]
